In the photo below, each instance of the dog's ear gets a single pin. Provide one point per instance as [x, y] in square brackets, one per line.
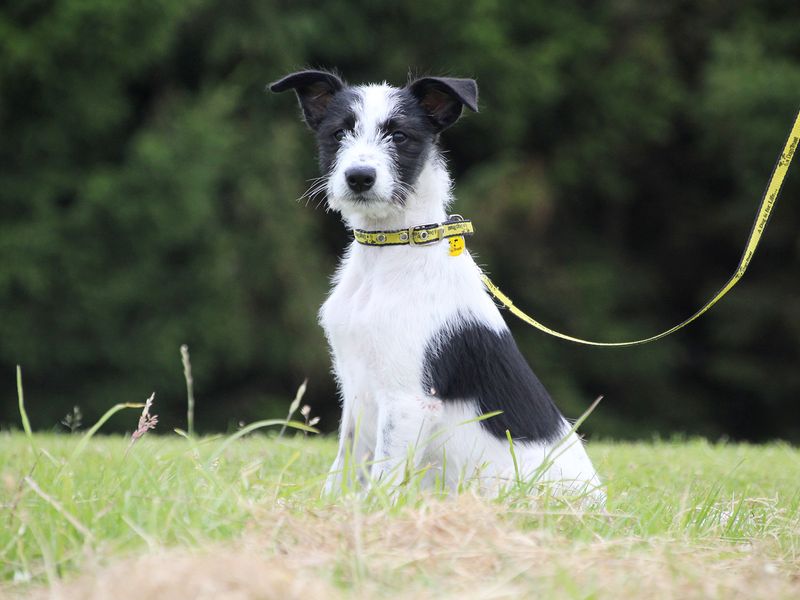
[444, 98]
[314, 90]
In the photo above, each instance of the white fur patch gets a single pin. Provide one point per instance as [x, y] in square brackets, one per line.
[366, 146]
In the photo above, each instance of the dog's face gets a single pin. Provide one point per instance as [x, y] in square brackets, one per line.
[375, 140]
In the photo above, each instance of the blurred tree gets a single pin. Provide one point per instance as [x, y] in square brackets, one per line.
[147, 192]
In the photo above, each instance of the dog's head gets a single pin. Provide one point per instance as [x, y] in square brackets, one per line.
[375, 140]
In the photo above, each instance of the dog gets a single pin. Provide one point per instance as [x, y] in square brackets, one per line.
[420, 351]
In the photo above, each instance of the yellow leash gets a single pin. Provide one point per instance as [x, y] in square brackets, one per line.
[762, 216]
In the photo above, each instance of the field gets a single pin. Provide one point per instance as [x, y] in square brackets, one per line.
[222, 518]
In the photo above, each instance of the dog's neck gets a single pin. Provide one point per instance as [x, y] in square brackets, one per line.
[427, 202]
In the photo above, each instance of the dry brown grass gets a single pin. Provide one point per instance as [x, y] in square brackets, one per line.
[462, 548]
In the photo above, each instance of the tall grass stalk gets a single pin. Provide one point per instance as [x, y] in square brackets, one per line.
[187, 374]
[26, 424]
[298, 397]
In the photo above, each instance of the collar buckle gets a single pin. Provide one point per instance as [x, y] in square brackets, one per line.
[425, 232]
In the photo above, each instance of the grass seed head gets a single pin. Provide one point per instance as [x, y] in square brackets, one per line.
[146, 422]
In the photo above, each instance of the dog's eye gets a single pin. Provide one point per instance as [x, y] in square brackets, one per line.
[339, 135]
[398, 137]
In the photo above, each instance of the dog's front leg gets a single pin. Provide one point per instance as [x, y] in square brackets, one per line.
[405, 425]
[356, 443]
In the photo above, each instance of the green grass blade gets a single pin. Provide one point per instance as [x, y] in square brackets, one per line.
[26, 424]
[513, 456]
[100, 422]
[260, 425]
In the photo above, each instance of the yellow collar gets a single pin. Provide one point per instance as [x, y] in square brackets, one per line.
[420, 235]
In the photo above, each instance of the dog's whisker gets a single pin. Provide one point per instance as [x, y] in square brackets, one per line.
[318, 186]
[315, 188]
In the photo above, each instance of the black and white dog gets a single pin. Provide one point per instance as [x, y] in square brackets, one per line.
[420, 350]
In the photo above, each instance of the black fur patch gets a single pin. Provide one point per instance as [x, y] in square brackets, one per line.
[410, 156]
[477, 364]
[340, 115]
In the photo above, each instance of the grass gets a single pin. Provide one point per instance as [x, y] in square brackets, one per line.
[183, 517]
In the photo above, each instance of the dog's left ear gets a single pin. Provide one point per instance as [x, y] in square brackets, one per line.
[444, 98]
[314, 90]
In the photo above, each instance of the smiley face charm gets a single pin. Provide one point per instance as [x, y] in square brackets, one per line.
[456, 245]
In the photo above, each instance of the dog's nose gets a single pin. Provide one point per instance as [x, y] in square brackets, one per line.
[360, 179]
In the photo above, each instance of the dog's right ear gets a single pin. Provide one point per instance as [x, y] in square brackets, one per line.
[314, 90]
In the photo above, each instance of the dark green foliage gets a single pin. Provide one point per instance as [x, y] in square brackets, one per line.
[148, 186]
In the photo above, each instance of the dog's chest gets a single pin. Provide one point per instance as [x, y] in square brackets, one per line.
[390, 304]
[384, 310]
